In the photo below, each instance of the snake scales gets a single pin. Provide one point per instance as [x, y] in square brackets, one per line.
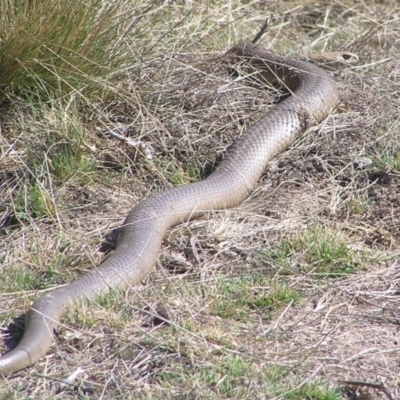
[313, 97]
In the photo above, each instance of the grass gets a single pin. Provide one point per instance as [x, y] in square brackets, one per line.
[317, 251]
[389, 160]
[314, 391]
[283, 297]
[238, 297]
[66, 46]
[234, 377]
[57, 158]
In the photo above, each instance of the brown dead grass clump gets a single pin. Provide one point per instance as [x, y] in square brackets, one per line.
[289, 295]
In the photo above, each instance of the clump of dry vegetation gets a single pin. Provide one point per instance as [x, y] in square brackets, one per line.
[292, 295]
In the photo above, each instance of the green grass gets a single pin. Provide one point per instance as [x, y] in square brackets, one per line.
[62, 46]
[318, 251]
[229, 377]
[83, 314]
[389, 161]
[176, 174]
[314, 391]
[58, 157]
[34, 200]
[68, 155]
[19, 279]
[233, 377]
[237, 297]
[51, 271]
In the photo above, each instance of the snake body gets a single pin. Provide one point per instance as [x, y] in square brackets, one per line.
[313, 97]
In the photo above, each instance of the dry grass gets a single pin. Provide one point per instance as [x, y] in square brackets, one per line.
[292, 293]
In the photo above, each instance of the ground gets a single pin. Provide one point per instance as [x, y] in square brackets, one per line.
[292, 295]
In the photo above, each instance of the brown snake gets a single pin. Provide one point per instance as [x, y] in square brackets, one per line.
[313, 97]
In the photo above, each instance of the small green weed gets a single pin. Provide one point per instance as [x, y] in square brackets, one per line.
[38, 269]
[67, 153]
[356, 206]
[117, 311]
[57, 158]
[314, 391]
[178, 174]
[235, 298]
[233, 377]
[389, 160]
[229, 377]
[18, 278]
[318, 251]
[33, 200]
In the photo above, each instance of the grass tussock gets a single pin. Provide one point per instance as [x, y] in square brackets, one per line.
[285, 297]
[52, 49]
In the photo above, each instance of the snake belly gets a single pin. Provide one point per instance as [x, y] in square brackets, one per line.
[313, 95]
